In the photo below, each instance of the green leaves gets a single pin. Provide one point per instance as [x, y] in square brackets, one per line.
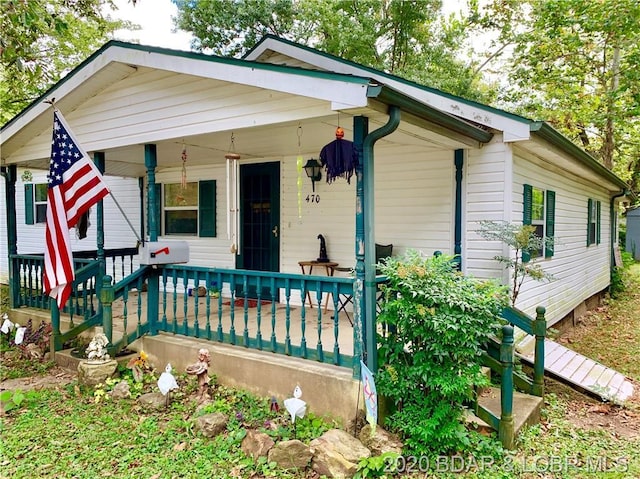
[437, 320]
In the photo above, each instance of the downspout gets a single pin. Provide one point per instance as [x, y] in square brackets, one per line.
[369, 269]
[613, 222]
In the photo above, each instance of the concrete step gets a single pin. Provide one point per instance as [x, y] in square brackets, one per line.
[65, 359]
[526, 408]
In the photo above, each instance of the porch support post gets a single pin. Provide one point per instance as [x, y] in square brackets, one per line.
[153, 282]
[98, 159]
[10, 174]
[369, 235]
[360, 131]
[457, 240]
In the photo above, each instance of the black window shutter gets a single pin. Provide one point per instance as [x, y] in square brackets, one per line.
[589, 220]
[550, 223]
[526, 214]
[29, 206]
[207, 209]
[598, 222]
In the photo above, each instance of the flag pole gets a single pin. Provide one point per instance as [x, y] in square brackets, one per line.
[125, 217]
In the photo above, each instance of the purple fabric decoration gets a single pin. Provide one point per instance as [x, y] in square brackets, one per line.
[339, 159]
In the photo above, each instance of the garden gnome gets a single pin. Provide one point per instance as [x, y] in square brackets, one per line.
[201, 369]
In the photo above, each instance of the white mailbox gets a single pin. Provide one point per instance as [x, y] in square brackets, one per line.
[164, 252]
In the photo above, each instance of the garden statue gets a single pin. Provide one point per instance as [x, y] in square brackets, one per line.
[201, 370]
[296, 406]
[323, 258]
[166, 383]
[97, 349]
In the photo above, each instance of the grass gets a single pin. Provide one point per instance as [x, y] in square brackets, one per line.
[64, 433]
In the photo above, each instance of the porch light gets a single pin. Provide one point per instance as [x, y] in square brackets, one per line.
[313, 169]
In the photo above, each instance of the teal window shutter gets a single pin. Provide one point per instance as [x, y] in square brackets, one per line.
[158, 209]
[550, 224]
[207, 209]
[526, 214]
[598, 222]
[589, 221]
[29, 205]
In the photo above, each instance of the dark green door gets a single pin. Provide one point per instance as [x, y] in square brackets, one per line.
[259, 218]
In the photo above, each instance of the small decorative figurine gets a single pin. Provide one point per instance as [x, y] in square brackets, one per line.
[296, 406]
[201, 369]
[97, 349]
[166, 383]
[323, 258]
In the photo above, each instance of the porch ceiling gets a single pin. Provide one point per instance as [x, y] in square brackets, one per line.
[270, 142]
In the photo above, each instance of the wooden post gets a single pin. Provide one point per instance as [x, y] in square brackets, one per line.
[56, 342]
[540, 331]
[107, 295]
[153, 280]
[506, 429]
[11, 173]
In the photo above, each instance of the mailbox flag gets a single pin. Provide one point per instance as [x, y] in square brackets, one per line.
[75, 185]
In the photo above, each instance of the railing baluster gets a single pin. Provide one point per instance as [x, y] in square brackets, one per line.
[287, 317]
[232, 311]
[336, 319]
[303, 320]
[164, 299]
[174, 321]
[220, 332]
[139, 296]
[125, 308]
[208, 307]
[185, 303]
[196, 296]
[259, 314]
[274, 291]
[319, 321]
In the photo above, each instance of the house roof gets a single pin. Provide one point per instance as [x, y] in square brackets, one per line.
[514, 127]
[118, 61]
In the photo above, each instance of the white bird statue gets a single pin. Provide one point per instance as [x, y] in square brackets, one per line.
[167, 382]
[7, 325]
[296, 406]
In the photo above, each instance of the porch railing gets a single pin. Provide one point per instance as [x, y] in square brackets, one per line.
[259, 310]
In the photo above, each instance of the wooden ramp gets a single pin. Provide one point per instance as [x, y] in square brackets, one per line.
[577, 370]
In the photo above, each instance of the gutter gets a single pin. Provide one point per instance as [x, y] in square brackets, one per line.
[408, 105]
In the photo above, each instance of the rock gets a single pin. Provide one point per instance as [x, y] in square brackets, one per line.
[33, 351]
[152, 401]
[292, 454]
[121, 391]
[256, 444]
[336, 454]
[380, 441]
[91, 373]
[212, 424]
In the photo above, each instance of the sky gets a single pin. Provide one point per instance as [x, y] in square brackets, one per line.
[154, 16]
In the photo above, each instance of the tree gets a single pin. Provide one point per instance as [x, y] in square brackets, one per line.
[409, 38]
[41, 40]
[574, 63]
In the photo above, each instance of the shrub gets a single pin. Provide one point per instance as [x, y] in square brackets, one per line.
[436, 321]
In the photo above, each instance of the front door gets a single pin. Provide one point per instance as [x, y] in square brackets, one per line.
[259, 218]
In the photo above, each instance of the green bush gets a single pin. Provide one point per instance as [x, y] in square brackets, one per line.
[436, 321]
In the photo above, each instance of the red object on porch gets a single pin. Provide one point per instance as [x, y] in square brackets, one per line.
[251, 303]
[75, 185]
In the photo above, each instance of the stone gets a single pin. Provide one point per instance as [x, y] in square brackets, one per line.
[256, 444]
[336, 454]
[380, 441]
[33, 351]
[212, 424]
[292, 454]
[121, 391]
[155, 401]
[91, 373]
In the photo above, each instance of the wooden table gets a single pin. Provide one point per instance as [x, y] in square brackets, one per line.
[329, 268]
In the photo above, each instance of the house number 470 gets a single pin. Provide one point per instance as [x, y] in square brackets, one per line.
[313, 198]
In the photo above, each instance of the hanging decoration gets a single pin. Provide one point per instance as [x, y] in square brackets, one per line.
[299, 162]
[183, 182]
[232, 195]
[339, 158]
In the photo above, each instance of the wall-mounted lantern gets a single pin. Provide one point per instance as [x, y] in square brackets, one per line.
[313, 169]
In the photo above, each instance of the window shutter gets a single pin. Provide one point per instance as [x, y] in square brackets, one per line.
[158, 210]
[29, 205]
[589, 220]
[598, 222]
[207, 209]
[526, 214]
[550, 226]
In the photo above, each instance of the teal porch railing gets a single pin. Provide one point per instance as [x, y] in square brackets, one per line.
[265, 311]
[499, 357]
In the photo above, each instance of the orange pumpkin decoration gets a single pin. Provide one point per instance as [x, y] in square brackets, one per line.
[339, 133]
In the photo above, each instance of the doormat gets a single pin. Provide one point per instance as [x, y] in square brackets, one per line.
[251, 303]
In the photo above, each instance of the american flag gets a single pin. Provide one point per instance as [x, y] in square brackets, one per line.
[75, 184]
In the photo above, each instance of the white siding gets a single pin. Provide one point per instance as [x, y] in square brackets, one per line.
[486, 189]
[580, 271]
[117, 232]
[4, 249]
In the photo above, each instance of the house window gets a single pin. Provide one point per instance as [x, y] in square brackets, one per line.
[35, 203]
[539, 211]
[593, 222]
[189, 211]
